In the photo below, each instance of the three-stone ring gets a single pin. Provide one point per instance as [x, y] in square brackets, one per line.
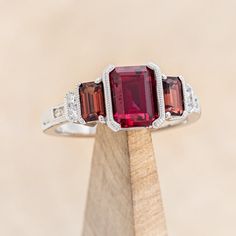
[124, 98]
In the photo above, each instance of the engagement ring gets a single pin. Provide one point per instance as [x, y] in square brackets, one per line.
[124, 98]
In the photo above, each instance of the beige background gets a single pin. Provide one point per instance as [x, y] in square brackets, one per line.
[46, 47]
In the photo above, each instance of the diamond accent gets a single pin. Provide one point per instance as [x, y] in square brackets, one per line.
[72, 106]
[58, 112]
[191, 102]
[196, 104]
[189, 98]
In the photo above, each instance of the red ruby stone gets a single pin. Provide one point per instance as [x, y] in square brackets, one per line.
[92, 101]
[134, 96]
[173, 95]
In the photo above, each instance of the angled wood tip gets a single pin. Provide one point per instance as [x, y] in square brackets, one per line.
[124, 192]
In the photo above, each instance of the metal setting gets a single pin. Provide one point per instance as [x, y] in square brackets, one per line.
[160, 96]
[98, 80]
[111, 123]
[59, 120]
[80, 118]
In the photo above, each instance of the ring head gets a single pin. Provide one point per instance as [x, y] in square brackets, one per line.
[125, 98]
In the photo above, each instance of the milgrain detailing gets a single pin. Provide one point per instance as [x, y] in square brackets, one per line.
[125, 98]
[160, 96]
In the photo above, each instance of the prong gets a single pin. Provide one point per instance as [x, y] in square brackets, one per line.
[164, 76]
[78, 84]
[185, 114]
[168, 115]
[102, 119]
[154, 67]
[98, 80]
[110, 68]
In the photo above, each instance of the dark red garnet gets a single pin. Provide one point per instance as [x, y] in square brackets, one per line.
[92, 101]
[173, 95]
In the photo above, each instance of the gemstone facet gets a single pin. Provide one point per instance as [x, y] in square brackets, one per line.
[134, 96]
[173, 96]
[92, 101]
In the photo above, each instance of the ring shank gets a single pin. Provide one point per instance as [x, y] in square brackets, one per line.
[73, 129]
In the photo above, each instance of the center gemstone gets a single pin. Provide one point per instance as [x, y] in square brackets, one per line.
[134, 96]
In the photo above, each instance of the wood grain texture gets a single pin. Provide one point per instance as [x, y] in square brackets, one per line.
[149, 219]
[109, 203]
[124, 194]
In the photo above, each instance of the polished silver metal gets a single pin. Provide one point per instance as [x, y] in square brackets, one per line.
[111, 123]
[57, 121]
[160, 96]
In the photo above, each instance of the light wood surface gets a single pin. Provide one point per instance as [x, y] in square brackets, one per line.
[124, 192]
[149, 219]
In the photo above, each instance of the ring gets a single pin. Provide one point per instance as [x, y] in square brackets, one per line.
[124, 98]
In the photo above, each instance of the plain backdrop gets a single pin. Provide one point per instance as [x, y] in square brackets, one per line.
[47, 46]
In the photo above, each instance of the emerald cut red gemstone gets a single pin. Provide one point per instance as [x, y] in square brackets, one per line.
[92, 101]
[134, 96]
[173, 95]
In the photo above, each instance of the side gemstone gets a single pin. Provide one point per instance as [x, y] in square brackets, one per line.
[134, 96]
[173, 96]
[58, 112]
[92, 101]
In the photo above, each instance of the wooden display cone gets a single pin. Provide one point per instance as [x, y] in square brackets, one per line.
[124, 196]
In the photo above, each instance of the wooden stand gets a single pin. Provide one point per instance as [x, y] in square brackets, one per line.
[124, 193]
